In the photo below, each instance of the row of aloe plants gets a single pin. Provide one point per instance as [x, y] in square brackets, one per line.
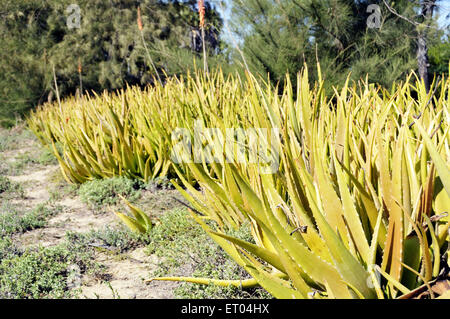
[356, 208]
[129, 132]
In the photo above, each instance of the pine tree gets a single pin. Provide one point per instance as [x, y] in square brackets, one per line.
[102, 39]
[279, 36]
[23, 43]
[109, 42]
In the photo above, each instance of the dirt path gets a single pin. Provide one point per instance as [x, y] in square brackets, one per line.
[125, 272]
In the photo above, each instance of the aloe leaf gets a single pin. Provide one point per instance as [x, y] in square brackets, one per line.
[441, 166]
[131, 223]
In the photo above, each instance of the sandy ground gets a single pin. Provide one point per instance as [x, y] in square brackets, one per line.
[125, 273]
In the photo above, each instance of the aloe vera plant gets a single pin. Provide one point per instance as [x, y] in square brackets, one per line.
[357, 206]
[349, 212]
[129, 133]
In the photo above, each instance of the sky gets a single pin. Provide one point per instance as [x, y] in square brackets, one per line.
[443, 12]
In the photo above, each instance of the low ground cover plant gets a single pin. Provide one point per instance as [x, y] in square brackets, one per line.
[14, 220]
[101, 192]
[42, 272]
[38, 272]
[10, 189]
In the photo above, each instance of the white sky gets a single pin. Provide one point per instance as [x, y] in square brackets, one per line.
[444, 12]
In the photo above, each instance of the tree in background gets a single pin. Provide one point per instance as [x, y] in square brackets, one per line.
[100, 36]
[109, 43]
[424, 25]
[23, 41]
[439, 56]
[279, 36]
[104, 49]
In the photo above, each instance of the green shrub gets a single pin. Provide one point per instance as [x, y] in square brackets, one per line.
[34, 275]
[104, 191]
[7, 248]
[7, 122]
[42, 273]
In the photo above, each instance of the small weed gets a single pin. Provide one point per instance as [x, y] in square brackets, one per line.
[22, 161]
[157, 203]
[98, 193]
[10, 189]
[13, 221]
[115, 293]
[119, 239]
[61, 188]
[46, 157]
[14, 138]
[18, 165]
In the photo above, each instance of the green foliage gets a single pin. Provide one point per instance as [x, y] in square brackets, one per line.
[33, 276]
[104, 191]
[9, 189]
[280, 36]
[351, 198]
[35, 273]
[7, 249]
[187, 249]
[138, 146]
[38, 272]
[11, 139]
[35, 37]
[24, 36]
[13, 221]
[439, 56]
[41, 273]
[119, 240]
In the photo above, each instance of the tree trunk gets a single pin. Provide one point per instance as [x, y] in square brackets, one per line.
[50, 97]
[422, 59]
[422, 48]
